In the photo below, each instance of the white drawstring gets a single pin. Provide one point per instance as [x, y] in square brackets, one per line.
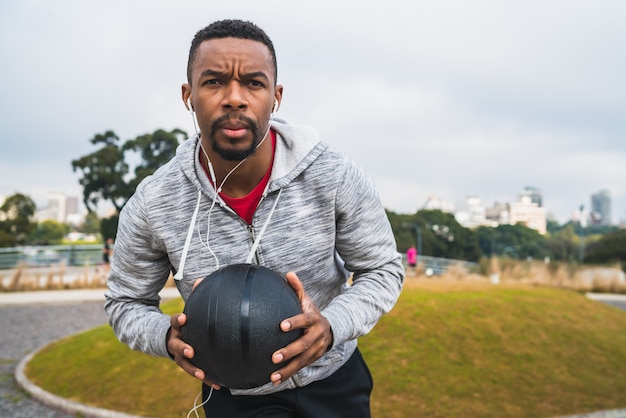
[181, 267]
[255, 244]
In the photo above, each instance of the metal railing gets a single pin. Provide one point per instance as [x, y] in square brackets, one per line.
[434, 266]
[42, 256]
[91, 255]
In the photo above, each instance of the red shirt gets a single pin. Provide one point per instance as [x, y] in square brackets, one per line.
[246, 206]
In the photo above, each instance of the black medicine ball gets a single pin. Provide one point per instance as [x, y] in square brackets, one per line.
[233, 324]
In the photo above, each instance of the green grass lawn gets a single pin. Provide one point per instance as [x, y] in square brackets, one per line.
[446, 350]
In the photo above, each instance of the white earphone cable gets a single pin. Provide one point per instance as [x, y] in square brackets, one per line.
[205, 242]
[195, 403]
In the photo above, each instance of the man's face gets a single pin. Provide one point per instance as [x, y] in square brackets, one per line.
[232, 91]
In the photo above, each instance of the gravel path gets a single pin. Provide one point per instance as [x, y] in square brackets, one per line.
[25, 328]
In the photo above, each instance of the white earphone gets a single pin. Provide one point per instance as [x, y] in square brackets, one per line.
[189, 107]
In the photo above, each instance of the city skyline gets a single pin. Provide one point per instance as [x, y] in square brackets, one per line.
[450, 98]
[54, 201]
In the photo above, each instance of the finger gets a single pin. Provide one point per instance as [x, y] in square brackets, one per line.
[292, 350]
[289, 369]
[295, 284]
[175, 344]
[300, 353]
[199, 374]
[303, 320]
[306, 303]
[178, 320]
[196, 283]
[311, 346]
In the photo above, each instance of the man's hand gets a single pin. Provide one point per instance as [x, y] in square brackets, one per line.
[183, 352]
[312, 345]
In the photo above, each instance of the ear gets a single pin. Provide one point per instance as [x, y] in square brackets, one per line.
[278, 97]
[186, 96]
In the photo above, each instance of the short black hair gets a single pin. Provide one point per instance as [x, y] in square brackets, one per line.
[231, 28]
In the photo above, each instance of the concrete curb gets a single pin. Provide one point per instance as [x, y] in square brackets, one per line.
[602, 297]
[66, 296]
[57, 401]
[612, 413]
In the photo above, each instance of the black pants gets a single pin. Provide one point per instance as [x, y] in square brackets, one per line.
[344, 394]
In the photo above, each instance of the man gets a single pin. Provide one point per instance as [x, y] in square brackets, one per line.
[252, 187]
[107, 252]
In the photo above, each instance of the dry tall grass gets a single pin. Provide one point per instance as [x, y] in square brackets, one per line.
[608, 279]
[604, 279]
[55, 277]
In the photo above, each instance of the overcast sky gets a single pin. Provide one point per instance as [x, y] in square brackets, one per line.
[432, 98]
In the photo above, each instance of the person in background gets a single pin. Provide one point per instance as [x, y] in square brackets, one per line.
[411, 259]
[107, 253]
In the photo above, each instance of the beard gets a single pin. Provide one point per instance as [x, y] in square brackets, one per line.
[235, 155]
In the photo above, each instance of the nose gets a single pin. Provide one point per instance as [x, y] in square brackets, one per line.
[234, 97]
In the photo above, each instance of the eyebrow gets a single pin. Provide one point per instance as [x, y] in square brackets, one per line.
[254, 74]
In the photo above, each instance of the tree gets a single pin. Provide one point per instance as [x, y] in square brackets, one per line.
[106, 171]
[108, 227]
[16, 224]
[564, 244]
[103, 173]
[6, 239]
[48, 232]
[405, 237]
[442, 235]
[610, 248]
[515, 241]
[155, 150]
[91, 224]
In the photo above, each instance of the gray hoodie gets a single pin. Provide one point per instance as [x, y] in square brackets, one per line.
[328, 222]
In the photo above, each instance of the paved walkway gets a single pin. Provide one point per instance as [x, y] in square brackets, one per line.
[65, 296]
[27, 327]
[33, 319]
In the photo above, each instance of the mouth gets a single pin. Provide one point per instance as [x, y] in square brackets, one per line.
[234, 129]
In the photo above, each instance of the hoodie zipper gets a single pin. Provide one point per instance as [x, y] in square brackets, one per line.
[255, 239]
[252, 238]
[251, 228]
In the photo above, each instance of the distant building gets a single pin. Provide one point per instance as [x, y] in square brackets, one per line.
[534, 193]
[54, 210]
[601, 208]
[524, 210]
[528, 213]
[71, 206]
[435, 203]
[60, 208]
[473, 214]
[498, 213]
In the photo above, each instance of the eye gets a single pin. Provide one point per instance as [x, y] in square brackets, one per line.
[256, 84]
[211, 82]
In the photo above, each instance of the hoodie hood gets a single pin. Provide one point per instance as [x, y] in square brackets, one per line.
[297, 146]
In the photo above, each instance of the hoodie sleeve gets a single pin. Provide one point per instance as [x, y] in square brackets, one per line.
[139, 271]
[365, 242]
